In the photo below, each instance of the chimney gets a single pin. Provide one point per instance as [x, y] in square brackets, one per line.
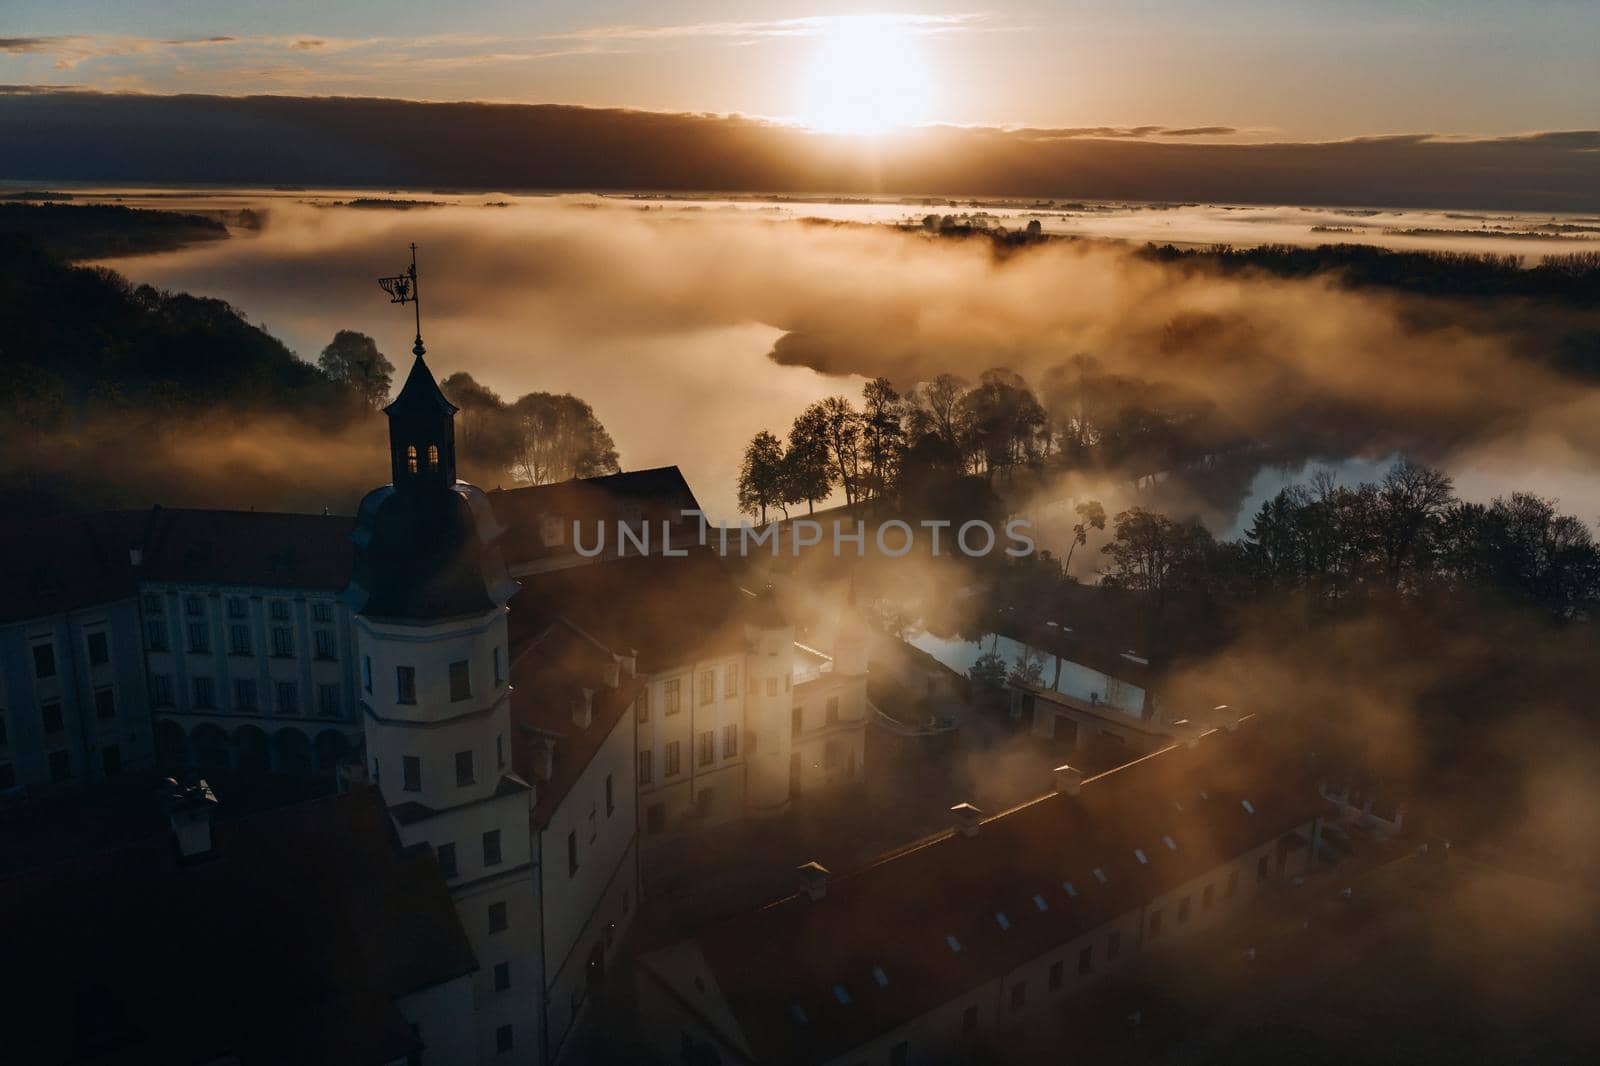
[583, 708]
[813, 880]
[189, 809]
[611, 674]
[967, 818]
[136, 555]
[1069, 779]
[353, 776]
[630, 663]
[550, 530]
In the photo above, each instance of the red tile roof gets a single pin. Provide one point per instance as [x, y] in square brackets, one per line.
[897, 913]
[260, 548]
[50, 565]
[654, 495]
[289, 945]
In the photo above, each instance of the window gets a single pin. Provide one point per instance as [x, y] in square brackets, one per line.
[244, 694]
[411, 773]
[500, 751]
[491, 848]
[499, 668]
[730, 741]
[672, 765]
[99, 649]
[1056, 970]
[44, 660]
[235, 606]
[288, 697]
[111, 759]
[460, 682]
[152, 603]
[797, 720]
[645, 764]
[705, 748]
[1155, 924]
[655, 818]
[572, 853]
[502, 976]
[105, 703]
[239, 640]
[8, 776]
[463, 769]
[1263, 867]
[205, 692]
[405, 684]
[1183, 910]
[708, 687]
[50, 716]
[831, 717]
[1019, 995]
[433, 461]
[280, 610]
[1206, 895]
[199, 637]
[328, 701]
[447, 860]
[60, 766]
[1113, 945]
[669, 697]
[502, 1035]
[1086, 960]
[497, 917]
[322, 612]
[161, 690]
[411, 458]
[611, 803]
[969, 1020]
[193, 607]
[4, 738]
[155, 634]
[1233, 883]
[366, 672]
[772, 686]
[644, 704]
[283, 642]
[324, 644]
[831, 755]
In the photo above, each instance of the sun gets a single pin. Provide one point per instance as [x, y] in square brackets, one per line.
[867, 75]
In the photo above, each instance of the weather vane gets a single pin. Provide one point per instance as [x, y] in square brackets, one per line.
[402, 289]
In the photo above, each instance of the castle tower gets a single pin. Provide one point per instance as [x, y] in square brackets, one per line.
[429, 590]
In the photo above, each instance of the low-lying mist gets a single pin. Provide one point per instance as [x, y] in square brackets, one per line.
[689, 330]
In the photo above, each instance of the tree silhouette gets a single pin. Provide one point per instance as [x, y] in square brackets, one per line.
[352, 359]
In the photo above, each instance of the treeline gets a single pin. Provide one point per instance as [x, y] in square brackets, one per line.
[1573, 278]
[95, 231]
[1339, 550]
[114, 394]
[929, 444]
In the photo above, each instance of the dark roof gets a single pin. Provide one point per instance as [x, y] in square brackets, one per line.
[260, 548]
[548, 677]
[669, 609]
[655, 495]
[420, 396]
[424, 556]
[288, 945]
[49, 565]
[896, 914]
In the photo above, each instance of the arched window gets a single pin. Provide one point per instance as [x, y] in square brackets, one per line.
[411, 458]
[433, 457]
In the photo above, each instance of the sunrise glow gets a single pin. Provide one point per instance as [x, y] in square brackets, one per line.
[867, 75]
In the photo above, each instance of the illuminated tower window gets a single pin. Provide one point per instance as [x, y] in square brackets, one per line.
[411, 458]
[433, 457]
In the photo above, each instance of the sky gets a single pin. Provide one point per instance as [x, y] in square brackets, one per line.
[1279, 70]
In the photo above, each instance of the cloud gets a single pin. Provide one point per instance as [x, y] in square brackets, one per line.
[758, 29]
[1200, 131]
